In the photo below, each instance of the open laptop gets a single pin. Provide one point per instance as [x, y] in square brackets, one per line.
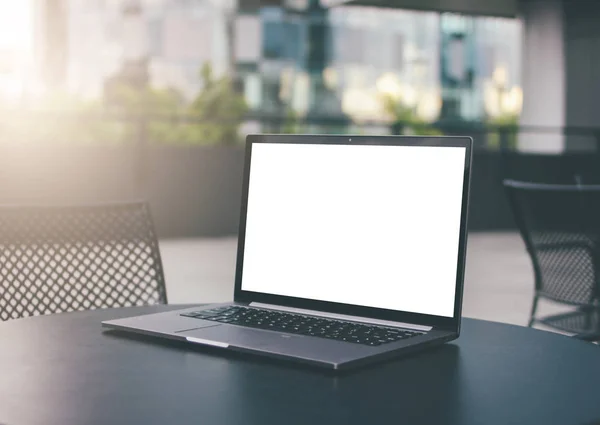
[351, 250]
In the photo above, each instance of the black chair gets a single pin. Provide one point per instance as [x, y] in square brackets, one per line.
[560, 225]
[59, 259]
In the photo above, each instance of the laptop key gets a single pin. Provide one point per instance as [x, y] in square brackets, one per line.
[300, 324]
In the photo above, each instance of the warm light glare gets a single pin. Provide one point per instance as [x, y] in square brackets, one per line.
[16, 48]
[513, 101]
[491, 100]
[430, 105]
[16, 25]
[286, 84]
[300, 100]
[410, 96]
[362, 105]
[499, 102]
[389, 85]
[330, 78]
[500, 76]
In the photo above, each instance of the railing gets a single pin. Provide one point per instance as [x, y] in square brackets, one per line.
[182, 189]
[151, 127]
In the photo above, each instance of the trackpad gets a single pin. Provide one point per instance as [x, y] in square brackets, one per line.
[202, 326]
[234, 335]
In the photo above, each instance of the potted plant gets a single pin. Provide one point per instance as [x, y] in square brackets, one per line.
[195, 169]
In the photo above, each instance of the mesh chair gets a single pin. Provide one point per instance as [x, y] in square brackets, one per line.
[60, 259]
[560, 225]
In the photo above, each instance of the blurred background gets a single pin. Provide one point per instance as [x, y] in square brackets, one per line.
[104, 100]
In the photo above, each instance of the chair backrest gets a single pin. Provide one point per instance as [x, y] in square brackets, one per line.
[560, 225]
[58, 259]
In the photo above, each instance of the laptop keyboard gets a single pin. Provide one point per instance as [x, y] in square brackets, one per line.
[339, 330]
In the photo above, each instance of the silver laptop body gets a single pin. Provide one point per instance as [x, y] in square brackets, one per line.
[351, 250]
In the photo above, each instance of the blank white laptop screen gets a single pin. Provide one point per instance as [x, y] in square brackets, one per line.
[375, 226]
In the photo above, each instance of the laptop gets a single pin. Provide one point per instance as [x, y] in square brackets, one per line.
[351, 250]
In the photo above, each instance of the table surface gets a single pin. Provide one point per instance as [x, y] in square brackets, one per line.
[65, 369]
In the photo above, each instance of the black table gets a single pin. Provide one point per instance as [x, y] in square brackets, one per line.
[65, 369]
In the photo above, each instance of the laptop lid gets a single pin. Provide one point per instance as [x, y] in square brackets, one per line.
[371, 226]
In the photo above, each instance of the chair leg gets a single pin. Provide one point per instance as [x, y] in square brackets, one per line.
[533, 310]
[588, 320]
[588, 314]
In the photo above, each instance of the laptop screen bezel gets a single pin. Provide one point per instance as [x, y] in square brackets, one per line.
[449, 323]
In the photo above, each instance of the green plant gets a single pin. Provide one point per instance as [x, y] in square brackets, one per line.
[148, 107]
[291, 123]
[217, 112]
[405, 118]
[504, 126]
[130, 110]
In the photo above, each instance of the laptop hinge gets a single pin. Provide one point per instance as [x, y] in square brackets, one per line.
[343, 317]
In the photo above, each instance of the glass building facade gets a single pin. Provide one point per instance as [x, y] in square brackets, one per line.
[332, 61]
[299, 57]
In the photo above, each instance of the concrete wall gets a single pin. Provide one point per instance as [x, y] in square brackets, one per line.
[582, 48]
[561, 72]
[192, 190]
[543, 74]
[195, 191]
